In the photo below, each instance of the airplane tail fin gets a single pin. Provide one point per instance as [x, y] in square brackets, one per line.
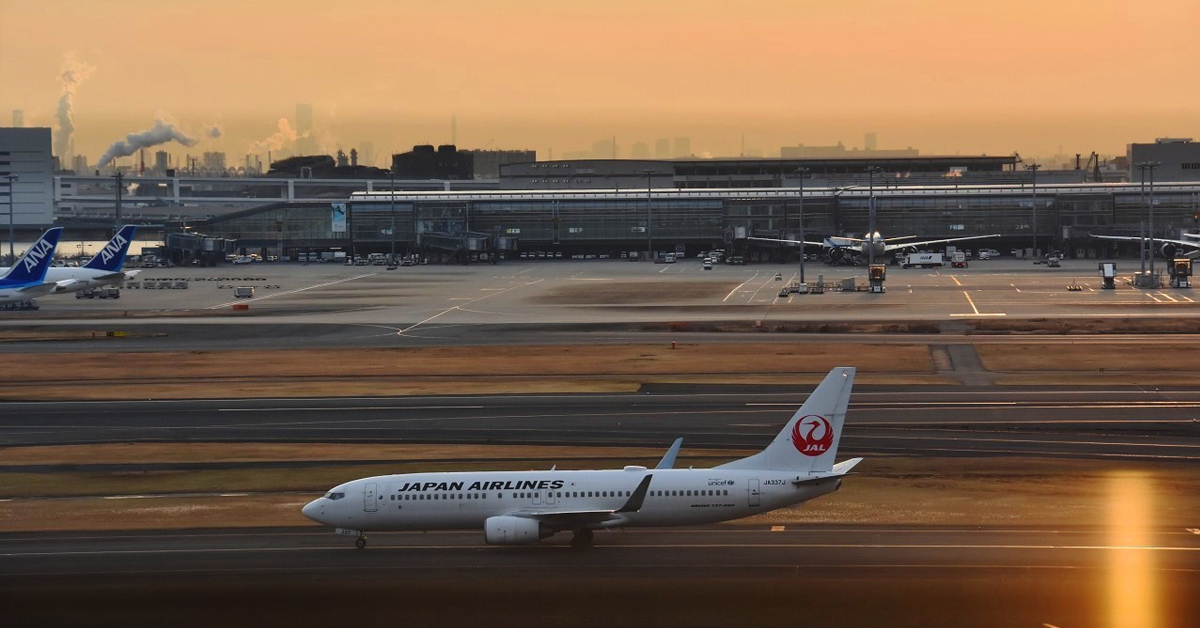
[809, 441]
[31, 267]
[112, 257]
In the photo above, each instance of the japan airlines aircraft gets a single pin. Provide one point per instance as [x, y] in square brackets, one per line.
[102, 270]
[837, 248]
[523, 507]
[1169, 249]
[26, 279]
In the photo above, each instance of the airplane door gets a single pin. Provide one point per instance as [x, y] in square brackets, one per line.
[371, 497]
[537, 497]
[752, 491]
[549, 498]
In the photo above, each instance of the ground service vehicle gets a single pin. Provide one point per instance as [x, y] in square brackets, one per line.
[923, 260]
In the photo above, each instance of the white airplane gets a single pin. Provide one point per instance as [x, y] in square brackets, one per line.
[524, 507]
[836, 248]
[102, 270]
[26, 279]
[1169, 249]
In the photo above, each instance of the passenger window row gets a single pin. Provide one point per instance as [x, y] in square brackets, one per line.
[433, 496]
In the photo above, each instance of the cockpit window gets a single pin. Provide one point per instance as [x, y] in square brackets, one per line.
[332, 496]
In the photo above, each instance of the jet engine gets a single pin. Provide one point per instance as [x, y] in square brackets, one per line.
[836, 255]
[1169, 250]
[507, 530]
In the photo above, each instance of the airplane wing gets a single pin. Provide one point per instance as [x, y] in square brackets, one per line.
[568, 518]
[64, 285]
[840, 469]
[38, 289]
[805, 242]
[893, 247]
[1187, 243]
[668, 460]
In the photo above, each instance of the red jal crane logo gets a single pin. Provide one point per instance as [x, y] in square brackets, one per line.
[812, 435]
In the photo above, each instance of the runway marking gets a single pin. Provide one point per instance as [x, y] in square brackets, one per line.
[778, 528]
[957, 282]
[448, 310]
[1049, 626]
[1168, 297]
[764, 285]
[1193, 530]
[1014, 287]
[975, 309]
[523, 272]
[280, 294]
[739, 287]
[1153, 297]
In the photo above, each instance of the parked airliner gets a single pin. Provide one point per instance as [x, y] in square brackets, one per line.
[26, 279]
[837, 248]
[524, 507]
[102, 270]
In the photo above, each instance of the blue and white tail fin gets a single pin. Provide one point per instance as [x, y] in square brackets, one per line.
[809, 441]
[31, 267]
[112, 257]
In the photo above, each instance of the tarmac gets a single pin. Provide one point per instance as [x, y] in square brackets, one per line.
[1066, 422]
[715, 576]
[418, 301]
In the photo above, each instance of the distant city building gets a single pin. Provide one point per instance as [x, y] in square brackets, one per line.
[353, 157]
[162, 161]
[424, 162]
[342, 159]
[454, 129]
[1178, 159]
[604, 149]
[870, 141]
[839, 151]
[487, 162]
[366, 153]
[18, 118]
[80, 164]
[639, 150]
[26, 153]
[662, 148]
[213, 162]
[306, 144]
[683, 147]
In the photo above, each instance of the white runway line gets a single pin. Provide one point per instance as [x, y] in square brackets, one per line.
[739, 287]
[451, 309]
[280, 294]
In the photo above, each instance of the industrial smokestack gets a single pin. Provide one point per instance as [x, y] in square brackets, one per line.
[161, 133]
[73, 74]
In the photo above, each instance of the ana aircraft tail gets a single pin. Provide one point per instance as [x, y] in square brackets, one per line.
[112, 257]
[809, 441]
[31, 267]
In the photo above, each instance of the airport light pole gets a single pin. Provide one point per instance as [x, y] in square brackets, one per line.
[1144, 166]
[392, 196]
[801, 172]
[12, 178]
[649, 226]
[870, 239]
[1034, 167]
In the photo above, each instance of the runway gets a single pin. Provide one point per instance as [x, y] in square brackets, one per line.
[1072, 422]
[812, 575]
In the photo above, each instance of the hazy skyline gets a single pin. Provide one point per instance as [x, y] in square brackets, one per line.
[941, 77]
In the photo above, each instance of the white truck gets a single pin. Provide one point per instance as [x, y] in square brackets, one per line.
[923, 260]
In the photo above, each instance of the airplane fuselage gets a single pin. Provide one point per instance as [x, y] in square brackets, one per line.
[441, 501]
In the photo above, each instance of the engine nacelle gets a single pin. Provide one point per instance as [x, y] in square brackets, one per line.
[836, 254]
[1169, 250]
[505, 530]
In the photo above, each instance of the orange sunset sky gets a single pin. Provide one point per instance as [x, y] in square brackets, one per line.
[944, 77]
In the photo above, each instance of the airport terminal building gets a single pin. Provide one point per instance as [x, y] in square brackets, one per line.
[460, 225]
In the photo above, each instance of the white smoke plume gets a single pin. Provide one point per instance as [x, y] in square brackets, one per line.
[213, 131]
[276, 140]
[161, 133]
[74, 73]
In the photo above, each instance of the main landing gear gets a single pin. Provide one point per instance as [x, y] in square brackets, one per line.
[582, 539]
[360, 542]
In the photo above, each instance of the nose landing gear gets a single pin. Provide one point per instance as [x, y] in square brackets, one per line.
[360, 542]
[582, 539]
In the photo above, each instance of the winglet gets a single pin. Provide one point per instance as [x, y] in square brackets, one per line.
[639, 495]
[668, 459]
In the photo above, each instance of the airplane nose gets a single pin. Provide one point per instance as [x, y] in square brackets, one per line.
[312, 510]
